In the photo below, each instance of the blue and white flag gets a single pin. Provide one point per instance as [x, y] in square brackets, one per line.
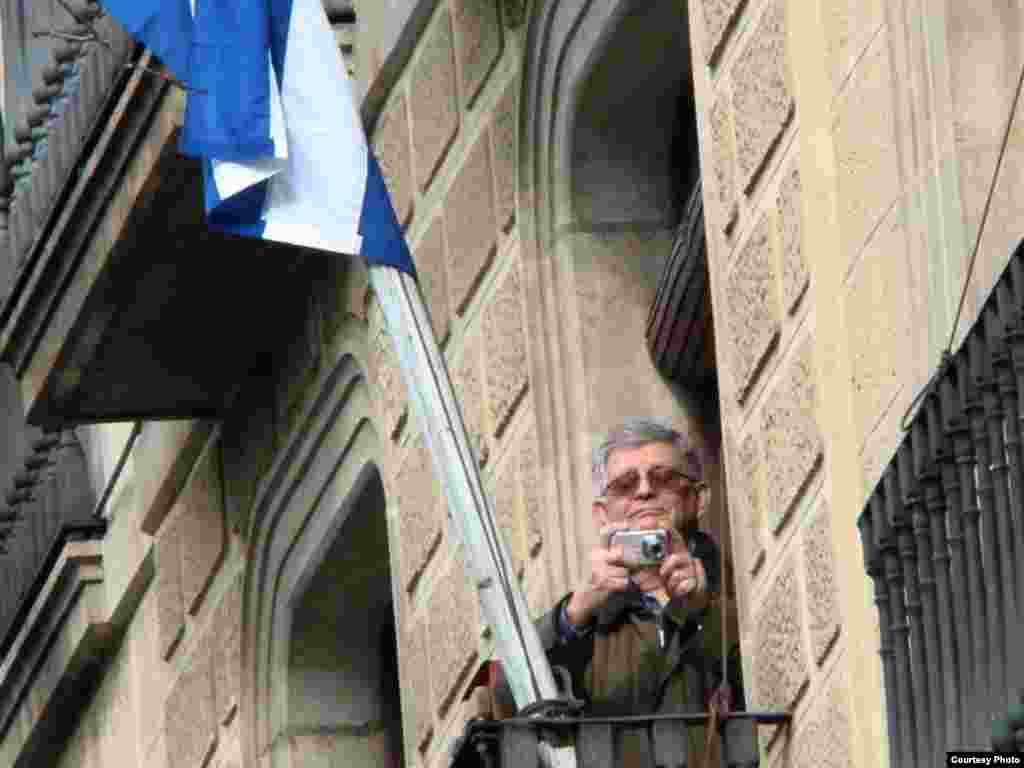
[271, 113]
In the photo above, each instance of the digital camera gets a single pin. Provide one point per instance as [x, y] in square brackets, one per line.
[641, 548]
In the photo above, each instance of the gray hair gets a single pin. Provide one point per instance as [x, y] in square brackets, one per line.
[635, 433]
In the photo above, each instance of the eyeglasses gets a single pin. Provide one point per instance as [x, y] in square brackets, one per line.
[659, 479]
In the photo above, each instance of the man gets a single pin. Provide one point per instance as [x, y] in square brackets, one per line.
[642, 641]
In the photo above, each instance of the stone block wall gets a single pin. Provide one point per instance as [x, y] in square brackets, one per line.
[837, 232]
[446, 143]
[841, 146]
[198, 596]
[762, 277]
[446, 138]
[170, 694]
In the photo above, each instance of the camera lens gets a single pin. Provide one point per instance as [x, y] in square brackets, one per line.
[653, 549]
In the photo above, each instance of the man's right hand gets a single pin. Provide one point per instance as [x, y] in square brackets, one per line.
[607, 575]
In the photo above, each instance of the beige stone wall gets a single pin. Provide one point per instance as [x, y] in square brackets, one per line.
[768, 311]
[170, 693]
[446, 141]
[847, 148]
[543, 329]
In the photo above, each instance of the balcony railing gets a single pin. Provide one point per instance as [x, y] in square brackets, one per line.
[513, 743]
[50, 502]
[943, 538]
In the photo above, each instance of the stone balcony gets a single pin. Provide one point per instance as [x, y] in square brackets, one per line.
[117, 302]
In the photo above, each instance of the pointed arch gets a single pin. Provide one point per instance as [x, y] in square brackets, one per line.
[599, 196]
[324, 489]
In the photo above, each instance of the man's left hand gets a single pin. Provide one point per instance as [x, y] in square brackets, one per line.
[684, 577]
[681, 576]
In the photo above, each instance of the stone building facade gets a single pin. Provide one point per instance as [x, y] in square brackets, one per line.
[278, 582]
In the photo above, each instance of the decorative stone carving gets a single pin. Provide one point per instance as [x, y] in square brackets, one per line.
[822, 599]
[723, 155]
[794, 267]
[202, 528]
[431, 266]
[433, 100]
[190, 719]
[227, 651]
[391, 145]
[478, 33]
[505, 342]
[753, 310]
[469, 389]
[454, 617]
[792, 441]
[503, 148]
[761, 96]
[824, 742]
[751, 497]
[779, 654]
[506, 509]
[718, 18]
[470, 224]
[418, 496]
[416, 668]
[390, 388]
[170, 602]
[530, 477]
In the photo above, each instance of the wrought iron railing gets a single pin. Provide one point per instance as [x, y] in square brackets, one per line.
[943, 538]
[50, 502]
[512, 743]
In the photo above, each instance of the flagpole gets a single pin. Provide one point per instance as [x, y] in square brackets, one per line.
[518, 645]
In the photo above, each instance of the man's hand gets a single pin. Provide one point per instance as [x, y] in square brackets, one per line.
[681, 577]
[607, 575]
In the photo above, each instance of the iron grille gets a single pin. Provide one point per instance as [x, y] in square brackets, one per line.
[943, 535]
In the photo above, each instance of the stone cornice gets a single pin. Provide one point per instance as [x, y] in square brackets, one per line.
[61, 652]
[56, 658]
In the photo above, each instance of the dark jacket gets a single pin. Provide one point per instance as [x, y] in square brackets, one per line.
[619, 666]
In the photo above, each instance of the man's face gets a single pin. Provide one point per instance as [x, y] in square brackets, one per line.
[647, 489]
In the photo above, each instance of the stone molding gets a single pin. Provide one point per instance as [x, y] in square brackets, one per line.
[558, 194]
[60, 654]
[334, 443]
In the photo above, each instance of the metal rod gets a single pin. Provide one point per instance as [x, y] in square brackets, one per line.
[966, 462]
[976, 411]
[935, 507]
[1016, 344]
[1005, 442]
[958, 560]
[920, 652]
[872, 525]
[900, 628]
[695, 718]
